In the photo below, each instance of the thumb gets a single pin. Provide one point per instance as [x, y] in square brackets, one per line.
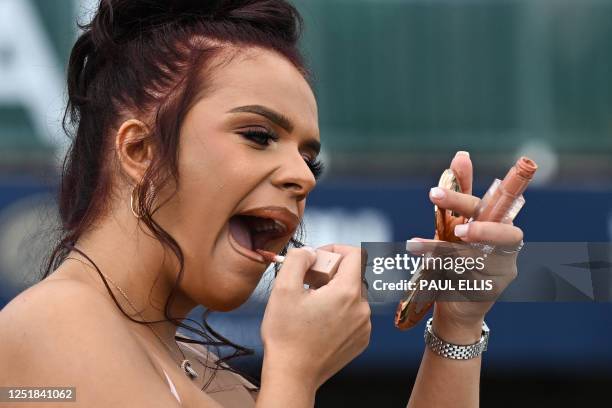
[462, 167]
[297, 262]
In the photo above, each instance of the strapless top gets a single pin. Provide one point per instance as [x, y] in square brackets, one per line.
[229, 389]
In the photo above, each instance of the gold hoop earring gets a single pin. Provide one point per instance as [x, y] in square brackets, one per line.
[134, 191]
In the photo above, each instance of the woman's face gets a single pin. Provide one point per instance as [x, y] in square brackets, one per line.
[244, 175]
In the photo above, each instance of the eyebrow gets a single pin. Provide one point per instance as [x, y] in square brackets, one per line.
[277, 118]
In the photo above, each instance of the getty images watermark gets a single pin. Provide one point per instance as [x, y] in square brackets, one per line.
[414, 264]
[539, 272]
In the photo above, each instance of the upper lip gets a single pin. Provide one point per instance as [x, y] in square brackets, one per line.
[280, 214]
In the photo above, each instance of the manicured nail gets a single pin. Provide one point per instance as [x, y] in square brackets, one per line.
[437, 192]
[309, 249]
[462, 153]
[412, 245]
[461, 230]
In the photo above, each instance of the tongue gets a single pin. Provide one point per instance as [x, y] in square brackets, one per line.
[260, 239]
[240, 232]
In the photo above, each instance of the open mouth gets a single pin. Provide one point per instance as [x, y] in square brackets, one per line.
[261, 228]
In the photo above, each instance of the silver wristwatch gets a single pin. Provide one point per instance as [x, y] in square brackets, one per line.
[455, 351]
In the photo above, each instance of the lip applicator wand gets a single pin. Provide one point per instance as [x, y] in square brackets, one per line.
[319, 274]
[271, 256]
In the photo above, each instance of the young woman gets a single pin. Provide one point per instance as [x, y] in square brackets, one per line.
[195, 143]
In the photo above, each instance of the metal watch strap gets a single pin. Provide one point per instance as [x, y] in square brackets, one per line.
[455, 351]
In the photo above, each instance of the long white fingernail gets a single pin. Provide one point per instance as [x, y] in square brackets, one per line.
[437, 192]
[462, 153]
[412, 245]
[461, 230]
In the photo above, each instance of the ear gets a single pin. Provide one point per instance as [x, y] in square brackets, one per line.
[134, 148]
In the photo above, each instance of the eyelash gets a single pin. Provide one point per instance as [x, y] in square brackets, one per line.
[263, 138]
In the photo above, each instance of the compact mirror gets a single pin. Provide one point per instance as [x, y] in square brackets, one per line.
[410, 310]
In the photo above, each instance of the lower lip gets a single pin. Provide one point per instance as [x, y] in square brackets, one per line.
[252, 255]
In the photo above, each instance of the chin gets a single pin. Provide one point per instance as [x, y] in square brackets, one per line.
[230, 302]
[230, 295]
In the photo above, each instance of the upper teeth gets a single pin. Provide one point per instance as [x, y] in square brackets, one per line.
[270, 225]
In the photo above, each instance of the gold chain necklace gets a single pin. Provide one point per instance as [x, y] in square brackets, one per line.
[185, 364]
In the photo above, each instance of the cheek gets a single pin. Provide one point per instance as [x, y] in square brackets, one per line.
[218, 166]
[218, 285]
[206, 194]
[215, 176]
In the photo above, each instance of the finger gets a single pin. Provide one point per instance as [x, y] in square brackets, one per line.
[494, 233]
[419, 244]
[461, 165]
[338, 248]
[417, 239]
[350, 270]
[464, 204]
[422, 246]
[292, 272]
[364, 283]
[345, 250]
[364, 290]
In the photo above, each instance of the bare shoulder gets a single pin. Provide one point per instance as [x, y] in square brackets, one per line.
[48, 298]
[56, 309]
[64, 333]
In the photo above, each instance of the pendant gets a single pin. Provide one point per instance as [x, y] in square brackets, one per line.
[189, 371]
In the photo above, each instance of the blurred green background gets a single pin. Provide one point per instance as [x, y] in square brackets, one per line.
[400, 80]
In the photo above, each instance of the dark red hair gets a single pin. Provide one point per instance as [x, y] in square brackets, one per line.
[151, 59]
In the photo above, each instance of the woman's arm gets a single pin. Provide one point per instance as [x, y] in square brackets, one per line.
[444, 382]
[281, 387]
[309, 335]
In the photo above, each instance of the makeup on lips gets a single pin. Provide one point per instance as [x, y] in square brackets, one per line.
[261, 228]
[256, 232]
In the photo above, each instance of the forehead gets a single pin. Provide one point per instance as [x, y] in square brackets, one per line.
[255, 76]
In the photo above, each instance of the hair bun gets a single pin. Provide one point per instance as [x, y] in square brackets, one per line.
[120, 12]
[119, 21]
[115, 20]
[197, 7]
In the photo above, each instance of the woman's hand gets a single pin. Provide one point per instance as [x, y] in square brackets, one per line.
[461, 321]
[311, 334]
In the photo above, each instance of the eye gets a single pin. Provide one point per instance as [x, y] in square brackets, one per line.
[316, 166]
[260, 136]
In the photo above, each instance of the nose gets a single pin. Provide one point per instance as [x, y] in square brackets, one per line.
[294, 176]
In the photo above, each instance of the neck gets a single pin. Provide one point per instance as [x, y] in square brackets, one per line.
[143, 269]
